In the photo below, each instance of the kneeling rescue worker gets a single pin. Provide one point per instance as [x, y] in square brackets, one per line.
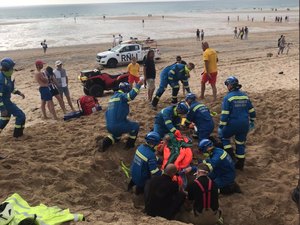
[144, 163]
[237, 110]
[7, 107]
[199, 114]
[168, 120]
[116, 116]
[221, 167]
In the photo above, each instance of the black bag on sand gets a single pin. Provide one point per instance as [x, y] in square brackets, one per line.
[72, 115]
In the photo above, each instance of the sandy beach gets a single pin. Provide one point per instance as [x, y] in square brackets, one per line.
[55, 162]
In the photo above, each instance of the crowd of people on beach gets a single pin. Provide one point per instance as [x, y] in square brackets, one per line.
[163, 171]
[241, 34]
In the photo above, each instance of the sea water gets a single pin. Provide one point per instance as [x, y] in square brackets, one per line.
[61, 25]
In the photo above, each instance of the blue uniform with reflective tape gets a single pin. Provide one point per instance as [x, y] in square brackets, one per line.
[237, 110]
[7, 87]
[167, 121]
[199, 114]
[144, 165]
[172, 75]
[117, 112]
[221, 166]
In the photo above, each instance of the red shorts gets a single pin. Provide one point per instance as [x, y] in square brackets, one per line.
[133, 79]
[211, 80]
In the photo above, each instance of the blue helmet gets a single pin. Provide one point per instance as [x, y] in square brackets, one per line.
[233, 81]
[183, 107]
[190, 96]
[7, 64]
[153, 138]
[204, 144]
[125, 87]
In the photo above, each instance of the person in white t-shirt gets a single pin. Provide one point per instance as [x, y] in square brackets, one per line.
[62, 82]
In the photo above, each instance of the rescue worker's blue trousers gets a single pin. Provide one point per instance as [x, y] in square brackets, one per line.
[14, 110]
[204, 130]
[161, 130]
[239, 130]
[222, 180]
[163, 86]
[116, 130]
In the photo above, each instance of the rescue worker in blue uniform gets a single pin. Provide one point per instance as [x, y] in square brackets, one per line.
[237, 117]
[144, 163]
[221, 167]
[7, 107]
[116, 116]
[199, 114]
[168, 120]
[171, 75]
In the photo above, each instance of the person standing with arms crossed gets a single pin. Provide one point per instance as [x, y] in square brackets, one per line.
[46, 95]
[149, 74]
[210, 73]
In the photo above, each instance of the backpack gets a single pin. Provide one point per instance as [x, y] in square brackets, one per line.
[88, 104]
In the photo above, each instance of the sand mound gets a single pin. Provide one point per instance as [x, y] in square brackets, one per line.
[56, 164]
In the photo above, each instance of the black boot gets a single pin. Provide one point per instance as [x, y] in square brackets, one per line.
[18, 132]
[130, 142]
[231, 153]
[240, 164]
[107, 142]
[155, 101]
[174, 100]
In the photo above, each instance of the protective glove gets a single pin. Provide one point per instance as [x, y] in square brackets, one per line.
[220, 133]
[251, 125]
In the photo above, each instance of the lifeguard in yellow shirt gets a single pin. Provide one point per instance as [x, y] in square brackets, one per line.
[210, 73]
[134, 72]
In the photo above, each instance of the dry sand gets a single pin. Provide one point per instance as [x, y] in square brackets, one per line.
[54, 163]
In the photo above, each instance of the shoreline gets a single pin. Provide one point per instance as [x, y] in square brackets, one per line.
[159, 41]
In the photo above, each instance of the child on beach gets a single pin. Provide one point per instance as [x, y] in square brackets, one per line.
[134, 72]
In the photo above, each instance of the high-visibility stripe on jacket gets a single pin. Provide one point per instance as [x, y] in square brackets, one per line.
[45, 215]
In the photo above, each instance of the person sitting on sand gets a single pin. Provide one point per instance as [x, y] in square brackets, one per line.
[7, 107]
[162, 196]
[204, 195]
[221, 167]
[46, 95]
[144, 163]
[116, 116]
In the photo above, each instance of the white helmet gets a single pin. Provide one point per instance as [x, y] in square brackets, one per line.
[7, 213]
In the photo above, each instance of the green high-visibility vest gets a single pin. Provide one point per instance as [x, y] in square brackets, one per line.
[45, 215]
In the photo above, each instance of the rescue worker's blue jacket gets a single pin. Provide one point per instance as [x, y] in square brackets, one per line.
[177, 72]
[199, 114]
[7, 87]
[144, 165]
[236, 109]
[118, 108]
[221, 166]
[168, 120]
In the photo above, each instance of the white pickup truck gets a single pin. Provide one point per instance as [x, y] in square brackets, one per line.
[123, 53]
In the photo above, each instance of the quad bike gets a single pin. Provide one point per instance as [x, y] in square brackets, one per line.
[95, 82]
